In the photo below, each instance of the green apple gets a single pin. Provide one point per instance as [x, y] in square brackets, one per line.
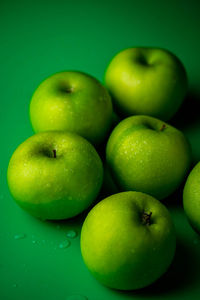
[148, 155]
[191, 198]
[55, 175]
[146, 81]
[75, 102]
[128, 240]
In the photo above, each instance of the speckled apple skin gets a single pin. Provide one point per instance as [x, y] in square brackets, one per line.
[146, 81]
[148, 155]
[122, 252]
[72, 101]
[58, 187]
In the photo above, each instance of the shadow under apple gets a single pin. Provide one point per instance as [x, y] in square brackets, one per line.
[187, 119]
[181, 275]
[189, 112]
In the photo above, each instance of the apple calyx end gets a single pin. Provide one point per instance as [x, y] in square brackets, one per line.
[54, 153]
[146, 218]
[163, 127]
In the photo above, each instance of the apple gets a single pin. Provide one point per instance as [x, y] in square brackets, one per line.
[128, 240]
[191, 198]
[146, 81]
[148, 155]
[55, 175]
[75, 102]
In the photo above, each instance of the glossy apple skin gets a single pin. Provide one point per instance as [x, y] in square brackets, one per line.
[119, 249]
[72, 101]
[148, 155]
[146, 81]
[58, 187]
[191, 198]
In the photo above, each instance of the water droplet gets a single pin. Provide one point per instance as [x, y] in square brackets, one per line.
[196, 241]
[15, 285]
[64, 244]
[58, 226]
[71, 234]
[77, 297]
[19, 236]
[34, 242]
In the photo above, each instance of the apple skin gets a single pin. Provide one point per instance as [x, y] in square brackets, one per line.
[119, 249]
[146, 81]
[148, 155]
[58, 187]
[191, 198]
[72, 101]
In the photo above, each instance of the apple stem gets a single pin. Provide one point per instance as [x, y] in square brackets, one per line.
[146, 218]
[163, 127]
[54, 153]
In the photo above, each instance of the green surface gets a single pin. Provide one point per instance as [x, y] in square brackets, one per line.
[45, 37]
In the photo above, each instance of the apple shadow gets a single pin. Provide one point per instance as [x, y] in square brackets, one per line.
[189, 113]
[181, 275]
[74, 223]
[101, 148]
[176, 198]
[77, 221]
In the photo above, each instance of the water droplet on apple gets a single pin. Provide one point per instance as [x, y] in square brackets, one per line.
[65, 244]
[19, 236]
[15, 285]
[58, 226]
[71, 234]
[77, 297]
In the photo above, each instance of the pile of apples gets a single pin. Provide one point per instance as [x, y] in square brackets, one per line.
[128, 240]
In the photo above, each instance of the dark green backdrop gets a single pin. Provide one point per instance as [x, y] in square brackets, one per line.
[39, 38]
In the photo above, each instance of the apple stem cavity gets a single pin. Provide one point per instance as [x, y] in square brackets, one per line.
[54, 153]
[146, 218]
[69, 90]
[163, 127]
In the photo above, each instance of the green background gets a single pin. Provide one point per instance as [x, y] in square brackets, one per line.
[39, 38]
